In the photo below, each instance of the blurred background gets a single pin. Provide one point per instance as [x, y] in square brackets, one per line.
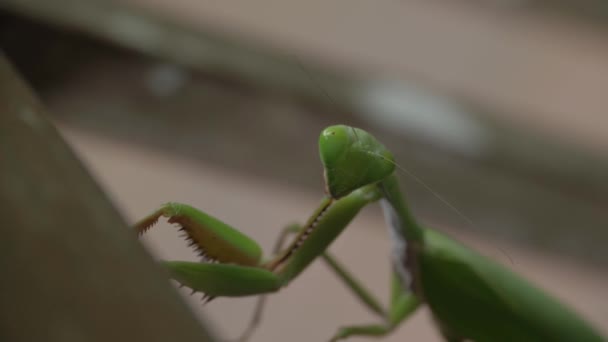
[499, 107]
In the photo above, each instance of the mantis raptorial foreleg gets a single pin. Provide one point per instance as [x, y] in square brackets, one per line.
[353, 284]
[402, 303]
[350, 281]
[470, 296]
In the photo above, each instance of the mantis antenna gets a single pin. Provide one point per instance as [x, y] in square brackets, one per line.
[400, 167]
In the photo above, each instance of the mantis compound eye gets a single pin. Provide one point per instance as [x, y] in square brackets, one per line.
[352, 158]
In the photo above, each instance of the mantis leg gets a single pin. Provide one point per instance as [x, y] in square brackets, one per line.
[261, 302]
[354, 285]
[403, 303]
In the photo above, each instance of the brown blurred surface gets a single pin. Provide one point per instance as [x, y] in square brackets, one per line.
[543, 70]
[540, 68]
[316, 303]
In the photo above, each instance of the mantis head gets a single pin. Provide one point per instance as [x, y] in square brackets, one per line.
[352, 158]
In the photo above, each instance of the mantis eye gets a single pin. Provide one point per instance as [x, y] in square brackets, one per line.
[352, 158]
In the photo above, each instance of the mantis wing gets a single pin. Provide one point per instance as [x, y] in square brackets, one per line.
[474, 297]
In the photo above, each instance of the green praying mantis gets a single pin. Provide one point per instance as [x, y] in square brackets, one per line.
[470, 296]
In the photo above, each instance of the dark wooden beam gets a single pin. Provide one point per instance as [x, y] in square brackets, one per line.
[71, 268]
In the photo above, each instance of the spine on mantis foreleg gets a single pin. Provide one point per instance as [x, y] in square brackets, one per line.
[302, 236]
[213, 239]
[326, 227]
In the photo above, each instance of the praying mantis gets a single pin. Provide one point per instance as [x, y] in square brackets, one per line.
[470, 296]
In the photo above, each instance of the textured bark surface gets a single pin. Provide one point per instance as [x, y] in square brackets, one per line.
[72, 271]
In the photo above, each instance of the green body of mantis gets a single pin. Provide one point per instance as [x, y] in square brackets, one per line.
[471, 297]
